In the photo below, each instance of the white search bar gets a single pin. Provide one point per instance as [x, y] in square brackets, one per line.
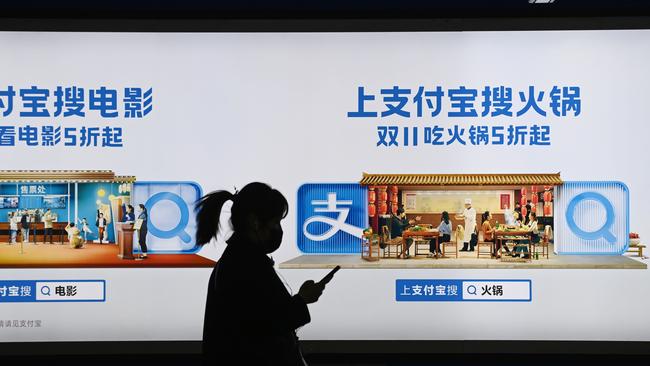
[71, 290]
[509, 290]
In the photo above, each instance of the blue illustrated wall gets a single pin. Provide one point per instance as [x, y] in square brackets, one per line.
[34, 199]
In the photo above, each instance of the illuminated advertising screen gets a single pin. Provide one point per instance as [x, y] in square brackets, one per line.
[471, 185]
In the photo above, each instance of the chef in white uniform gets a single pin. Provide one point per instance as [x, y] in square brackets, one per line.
[469, 216]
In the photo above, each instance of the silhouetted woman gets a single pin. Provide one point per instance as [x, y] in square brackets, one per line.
[250, 315]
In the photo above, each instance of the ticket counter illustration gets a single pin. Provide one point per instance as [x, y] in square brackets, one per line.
[78, 218]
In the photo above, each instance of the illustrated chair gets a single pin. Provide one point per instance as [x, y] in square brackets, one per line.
[388, 244]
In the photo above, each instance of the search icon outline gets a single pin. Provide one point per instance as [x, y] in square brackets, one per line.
[604, 231]
[44, 292]
[179, 229]
[470, 291]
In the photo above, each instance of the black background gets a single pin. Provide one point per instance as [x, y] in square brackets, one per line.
[330, 16]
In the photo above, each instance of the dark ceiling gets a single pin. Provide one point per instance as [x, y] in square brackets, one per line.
[339, 9]
[328, 15]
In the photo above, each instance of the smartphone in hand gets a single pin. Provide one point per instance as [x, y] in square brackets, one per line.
[328, 277]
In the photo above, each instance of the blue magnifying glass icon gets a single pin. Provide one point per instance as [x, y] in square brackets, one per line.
[604, 231]
[45, 290]
[471, 289]
[184, 219]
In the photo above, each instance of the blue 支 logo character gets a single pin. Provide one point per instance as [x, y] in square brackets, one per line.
[336, 224]
[331, 217]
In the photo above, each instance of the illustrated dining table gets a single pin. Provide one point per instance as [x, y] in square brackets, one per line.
[430, 234]
[513, 235]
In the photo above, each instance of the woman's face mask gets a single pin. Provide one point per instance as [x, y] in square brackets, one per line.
[274, 241]
[270, 236]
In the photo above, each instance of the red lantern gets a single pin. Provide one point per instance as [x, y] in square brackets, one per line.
[372, 195]
[547, 209]
[394, 199]
[523, 201]
[524, 192]
[394, 189]
[372, 210]
[533, 189]
[535, 199]
[548, 196]
[383, 207]
[383, 195]
[524, 212]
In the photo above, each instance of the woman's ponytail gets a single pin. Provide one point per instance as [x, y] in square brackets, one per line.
[208, 212]
[255, 199]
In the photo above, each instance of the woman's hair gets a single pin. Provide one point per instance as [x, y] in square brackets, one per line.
[399, 211]
[257, 199]
[129, 207]
[142, 207]
[533, 215]
[486, 216]
[445, 217]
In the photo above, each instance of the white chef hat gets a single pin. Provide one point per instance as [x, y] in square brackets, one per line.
[468, 201]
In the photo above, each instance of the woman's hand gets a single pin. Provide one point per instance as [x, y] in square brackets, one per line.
[310, 291]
